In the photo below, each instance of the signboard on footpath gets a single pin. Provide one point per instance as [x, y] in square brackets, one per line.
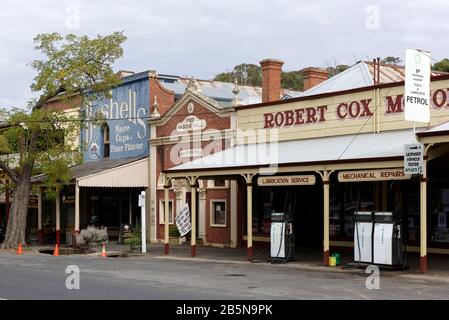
[183, 220]
[301, 180]
[417, 86]
[372, 175]
[413, 158]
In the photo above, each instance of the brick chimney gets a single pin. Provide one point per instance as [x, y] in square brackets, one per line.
[313, 76]
[271, 79]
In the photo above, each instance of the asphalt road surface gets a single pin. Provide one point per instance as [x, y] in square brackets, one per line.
[44, 277]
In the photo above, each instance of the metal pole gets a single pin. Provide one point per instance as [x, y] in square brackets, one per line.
[58, 218]
[166, 218]
[143, 222]
[193, 220]
[326, 218]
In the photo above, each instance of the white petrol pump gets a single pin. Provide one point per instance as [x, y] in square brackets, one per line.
[282, 246]
[378, 239]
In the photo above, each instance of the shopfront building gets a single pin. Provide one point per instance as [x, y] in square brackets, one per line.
[352, 143]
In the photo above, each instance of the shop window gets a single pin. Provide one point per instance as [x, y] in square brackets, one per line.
[218, 213]
[220, 183]
[162, 212]
[106, 143]
[345, 200]
[439, 215]
[217, 183]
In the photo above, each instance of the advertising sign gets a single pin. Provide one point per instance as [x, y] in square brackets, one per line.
[183, 220]
[417, 86]
[126, 114]
[413, 158]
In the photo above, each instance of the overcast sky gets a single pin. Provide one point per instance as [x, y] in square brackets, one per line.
[201, 38]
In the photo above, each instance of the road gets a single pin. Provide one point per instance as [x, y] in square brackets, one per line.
[41, 276]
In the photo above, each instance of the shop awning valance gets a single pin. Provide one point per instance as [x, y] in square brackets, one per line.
[130, 172]
[361, 147]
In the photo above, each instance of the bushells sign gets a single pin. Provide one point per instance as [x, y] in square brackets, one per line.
[126, 114]
[417, 85]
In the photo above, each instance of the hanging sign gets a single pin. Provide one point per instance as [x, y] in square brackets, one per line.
[183, 220]
[372, 175]
[413, 158]
[417, 85]
[302, 180]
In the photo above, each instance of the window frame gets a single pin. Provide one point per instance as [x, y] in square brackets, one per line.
[162, 210]
[212, 221]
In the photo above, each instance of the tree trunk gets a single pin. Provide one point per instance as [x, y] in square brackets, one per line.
[15, 230]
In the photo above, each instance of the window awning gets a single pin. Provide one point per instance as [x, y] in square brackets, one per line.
[345, 148]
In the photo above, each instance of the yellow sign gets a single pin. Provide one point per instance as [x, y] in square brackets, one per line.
[303, 180]
[372, 175]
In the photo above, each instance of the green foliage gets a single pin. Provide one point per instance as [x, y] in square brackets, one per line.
[391, 60]
[290, 79]
[134, 239]
[337, 69]
[442, 65]
[75, 64]
[46, 140]
[173, 232]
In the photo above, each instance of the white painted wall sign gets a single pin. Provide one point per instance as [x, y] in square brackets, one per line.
[191, 123]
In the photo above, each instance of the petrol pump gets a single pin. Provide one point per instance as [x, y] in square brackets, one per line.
[282, 237]
[378, 239]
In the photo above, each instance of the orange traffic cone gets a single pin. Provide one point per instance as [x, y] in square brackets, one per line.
[56, 252]
[19, 249]
[103, 251]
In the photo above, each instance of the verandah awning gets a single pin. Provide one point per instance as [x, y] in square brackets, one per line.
[132, 174]
[345, 148]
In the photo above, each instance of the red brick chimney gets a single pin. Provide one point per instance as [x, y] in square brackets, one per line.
[271, 79]
[313, 76]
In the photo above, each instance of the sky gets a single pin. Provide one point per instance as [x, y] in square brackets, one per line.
[202, 38]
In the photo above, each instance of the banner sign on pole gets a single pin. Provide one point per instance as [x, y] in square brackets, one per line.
[413, 158]
[183, 220]
[417, 86]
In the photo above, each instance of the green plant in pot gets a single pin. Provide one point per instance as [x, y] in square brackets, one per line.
[134, 241]
[174, 235]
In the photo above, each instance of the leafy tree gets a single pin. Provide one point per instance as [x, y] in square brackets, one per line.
[71, 66]
[391, 60]
[442, 65]
[289, 80]
[337, 69]
[254, 75]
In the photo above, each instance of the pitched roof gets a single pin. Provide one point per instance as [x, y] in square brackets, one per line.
[359, 75]
[218, 90]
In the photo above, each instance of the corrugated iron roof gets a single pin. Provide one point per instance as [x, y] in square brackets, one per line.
[359, 75]
[219, 91]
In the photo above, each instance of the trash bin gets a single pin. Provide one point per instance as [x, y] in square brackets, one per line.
[337, 258]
